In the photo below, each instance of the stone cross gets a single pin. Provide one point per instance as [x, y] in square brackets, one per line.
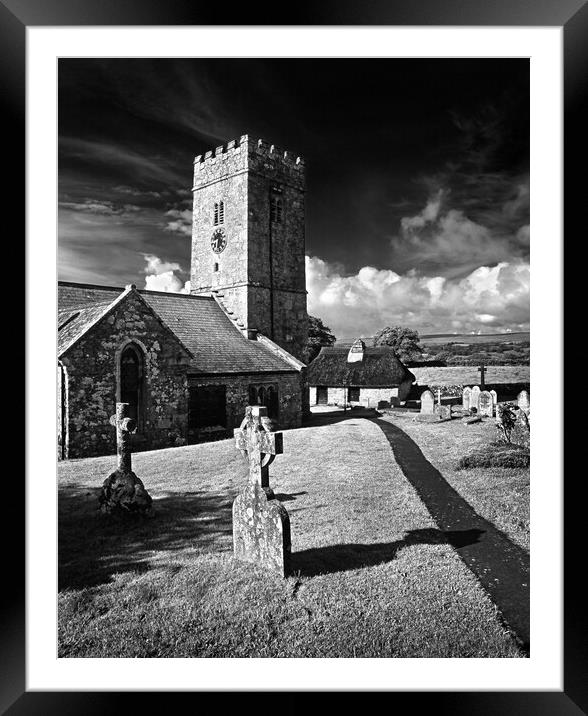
[259, 445]
[123, 491]
[261, 525]
[125, 426]
[482, 372]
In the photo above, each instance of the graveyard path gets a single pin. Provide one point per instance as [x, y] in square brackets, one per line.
[501, 566]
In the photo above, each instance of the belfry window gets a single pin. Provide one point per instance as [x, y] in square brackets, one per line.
[219, 213]
[276, 209]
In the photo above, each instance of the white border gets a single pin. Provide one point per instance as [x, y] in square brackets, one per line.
[543, 670]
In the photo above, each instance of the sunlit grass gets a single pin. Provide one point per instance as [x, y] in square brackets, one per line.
[372, 577]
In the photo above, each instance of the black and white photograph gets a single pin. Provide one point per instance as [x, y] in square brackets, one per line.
[293, 358]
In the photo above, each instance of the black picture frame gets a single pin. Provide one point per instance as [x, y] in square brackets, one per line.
[572, 16]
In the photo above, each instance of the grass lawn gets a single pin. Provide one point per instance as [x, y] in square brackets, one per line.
[501, 495]
[373, 578]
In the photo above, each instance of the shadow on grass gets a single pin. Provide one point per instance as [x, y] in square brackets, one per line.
[331, 417]
[345, 557]
[501, 566]
[93, 546]
[283, 497]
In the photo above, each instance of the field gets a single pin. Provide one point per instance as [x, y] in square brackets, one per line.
[468, 338]
[469, 375]
[379, 570]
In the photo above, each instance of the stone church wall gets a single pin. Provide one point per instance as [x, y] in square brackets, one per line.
[237, 395]
[93, 375]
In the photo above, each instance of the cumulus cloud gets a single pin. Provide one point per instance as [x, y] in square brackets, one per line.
[161, 276]
[181, 221]
[491, 298]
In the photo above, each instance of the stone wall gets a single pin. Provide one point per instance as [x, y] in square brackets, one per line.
[237, 395]
[368, 397]
[92, 368]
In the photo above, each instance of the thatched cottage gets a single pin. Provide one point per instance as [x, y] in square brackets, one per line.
[358, 376]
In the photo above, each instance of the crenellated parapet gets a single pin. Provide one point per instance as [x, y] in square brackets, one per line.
[248, 154]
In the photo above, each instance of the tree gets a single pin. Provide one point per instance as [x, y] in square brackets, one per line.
[319, 335]
[404, 341]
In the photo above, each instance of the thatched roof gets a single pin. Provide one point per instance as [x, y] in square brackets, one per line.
[380, 368]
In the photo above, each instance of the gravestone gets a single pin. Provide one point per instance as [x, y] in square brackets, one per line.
[494, 395]
[442, 411]
[485, 404]
[427, 402]
[465, 398]
[123, 491]
[261, 525]
[475, 397]
[523, 401]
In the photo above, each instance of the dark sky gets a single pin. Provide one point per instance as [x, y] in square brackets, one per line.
[418, 178]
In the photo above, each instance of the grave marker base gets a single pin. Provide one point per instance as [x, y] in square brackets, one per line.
[261, 529]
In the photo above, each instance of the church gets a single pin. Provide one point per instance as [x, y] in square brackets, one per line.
[189, 364]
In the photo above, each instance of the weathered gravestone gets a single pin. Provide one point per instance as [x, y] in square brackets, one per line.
[261, 525]
[485, 404]
[122, 490]
[475, 397]
[443, 412]
[427, 402]
[494, 395]
[465, 398]
[523, 401]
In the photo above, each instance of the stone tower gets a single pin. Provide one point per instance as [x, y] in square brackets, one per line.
[248, 238]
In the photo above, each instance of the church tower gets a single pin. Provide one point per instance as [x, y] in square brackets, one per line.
[248, 238]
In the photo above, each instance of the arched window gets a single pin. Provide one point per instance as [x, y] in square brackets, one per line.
[131, 380]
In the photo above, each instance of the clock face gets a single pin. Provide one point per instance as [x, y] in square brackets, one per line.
[218, 241]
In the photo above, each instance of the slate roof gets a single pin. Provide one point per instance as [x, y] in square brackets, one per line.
[380, 368]
[198, 321]
[72, 324]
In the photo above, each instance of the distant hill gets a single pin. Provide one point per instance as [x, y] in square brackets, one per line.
[463, 338]
[467, 338]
